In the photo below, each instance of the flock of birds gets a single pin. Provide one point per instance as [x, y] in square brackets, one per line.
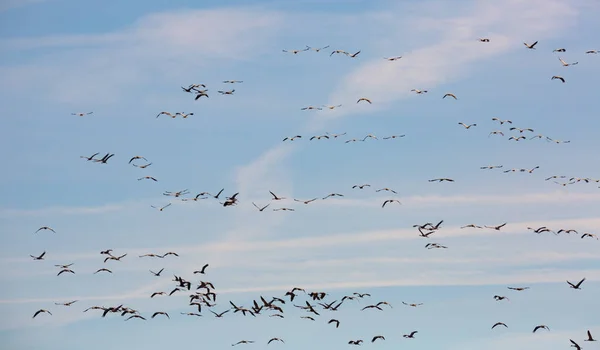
[202, 293]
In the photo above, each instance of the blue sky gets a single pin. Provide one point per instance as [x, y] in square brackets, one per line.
[126, 63]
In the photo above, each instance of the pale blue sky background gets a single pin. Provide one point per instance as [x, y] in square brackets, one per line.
[126, 63]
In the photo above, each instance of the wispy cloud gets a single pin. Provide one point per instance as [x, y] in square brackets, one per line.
[163, 46]
[450, 57]
[255, 180]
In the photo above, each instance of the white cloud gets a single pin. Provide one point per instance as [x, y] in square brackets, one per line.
[163, 46]
[507, 25]
[267, 172]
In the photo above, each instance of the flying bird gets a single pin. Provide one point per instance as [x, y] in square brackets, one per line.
[590, 338]
[565, 64]
[450, 95]
[576, 286]
[558, 77]
[202, 270]
[467, 126]
[542, 326]
[364, 99]
[45, 228]
[41, 311]
[80, 114]
[530, 46]
[39, 257]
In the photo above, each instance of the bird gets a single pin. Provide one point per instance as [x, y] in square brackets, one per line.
[161, 208]
[385, 189]
[117, 258]
[377, 337]
[137, 157]
[497, 228]
[104, 159]
[332, 107]
[576, 286]
[45, 228]
[202, 271]
[317, 49]
[412, 304]
[243, 342]
[521, 130]
[102, 270]
[589, 334]
[496, 132]
[471, 226]
[353, 55]
[531, 46]
[364, 99]
[419, 92]
[67, 303]
[90, 157]
[499, 324]
[275, 198]
[157, 274]
[305, 202]
[392, 58]
[411, 335]
[592, 51]
[540, 327]
[361, 186]
[260, 208]
[165, 113]
[390, 201]
[232, 81]
[484, 40]
[591, 235]
[183, 115]
[501, 121]
[284, 209]
[337, 323]
[65, 266]
[275, 339]
[81, 114]
[517, 138]
[441, 180]
[41, 311]
[467, 126]
[565, 64]
[393, 137]
[574, 345]
[338, 52]
[519, 289]
[65, 270]
[491, 167]
[450, 95]
[292, 138]
[558, 77]
[296, 51]
[147, 178]
[219, 315]
[39, 257]
[229, 92]
[559, 50]
[308, 108]
[135, 316]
